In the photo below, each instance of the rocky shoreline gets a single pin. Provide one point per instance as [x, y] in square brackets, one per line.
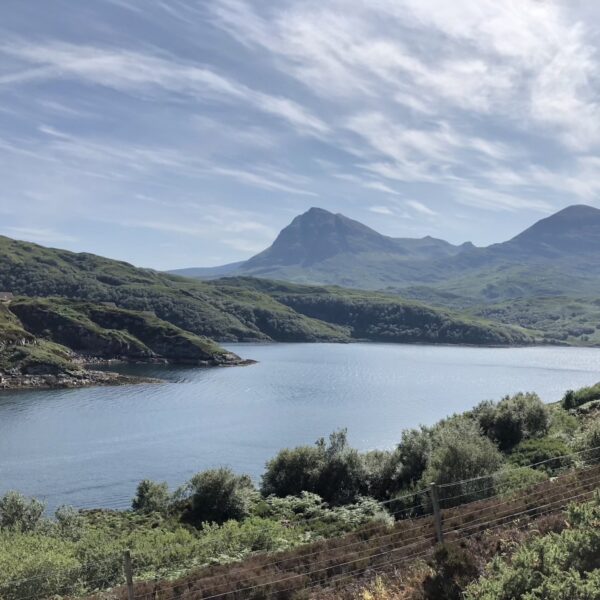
[81, 379]
[86, 377]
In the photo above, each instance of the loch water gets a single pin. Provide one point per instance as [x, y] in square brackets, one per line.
[90, 447]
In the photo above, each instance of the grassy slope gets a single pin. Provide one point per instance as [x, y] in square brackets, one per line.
[38, 335]
[220, 310]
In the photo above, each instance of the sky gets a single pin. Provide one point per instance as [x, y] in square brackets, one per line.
[178, 133]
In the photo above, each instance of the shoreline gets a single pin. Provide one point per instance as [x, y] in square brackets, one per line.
[93, 377]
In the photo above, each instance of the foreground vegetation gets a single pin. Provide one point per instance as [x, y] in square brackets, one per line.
[306, 494]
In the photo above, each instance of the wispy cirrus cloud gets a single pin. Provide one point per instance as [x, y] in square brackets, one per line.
[144, 73]
[416, 116]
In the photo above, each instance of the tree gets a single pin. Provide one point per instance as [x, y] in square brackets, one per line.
[219, 495]
[332, 469]
[460, 453]
[513, 419]
[20, 513]
[293, 471]
[413, 453]
[151, 496]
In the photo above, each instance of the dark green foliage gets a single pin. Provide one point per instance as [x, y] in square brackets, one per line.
[454, 568]
[293, 471]
[516, 479]
[151, 497]
[557, 566]
[544, 451]
[513, 419]
[20, 513]
[590, 442]
[381, 317]
[459, 452]
[218, 495]
[383, 472]
[414, 451]
[574, 399]
[334, 471]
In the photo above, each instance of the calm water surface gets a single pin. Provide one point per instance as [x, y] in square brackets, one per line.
[90, 447]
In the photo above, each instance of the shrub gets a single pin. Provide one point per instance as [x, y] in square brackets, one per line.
[513, 419]
[518, 478]
[454, 568]
[413, 454]
[151, 497]
[589, 444]
[459, 453]
[343, 475]
[573, 399]
[20, 513]
[383, 472]
[556, 566]
[550, 452]
[293, 471]
[333, 470]
[218, 495]
[69, 522]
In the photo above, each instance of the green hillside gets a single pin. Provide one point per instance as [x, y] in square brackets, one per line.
[44, 341]
[238, 310]
[381, 317]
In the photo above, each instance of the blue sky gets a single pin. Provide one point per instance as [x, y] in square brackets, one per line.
[174, 133]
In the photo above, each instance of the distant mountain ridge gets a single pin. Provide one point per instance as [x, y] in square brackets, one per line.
[319, 247]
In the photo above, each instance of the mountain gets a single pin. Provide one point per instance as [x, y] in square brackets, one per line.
[322, 247]
[318, 236]
[573, 231]
[209, 272]
[559, 254]
[241, 309]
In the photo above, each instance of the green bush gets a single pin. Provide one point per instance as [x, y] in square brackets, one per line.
[218, 495]
[573, 399]
[383, 473]
[513, 419]
[293, 471]
[413, 453]
[151, 497]
[589, 443]
[460, 453]
[514, 479]
[557, 566]
[453, 568]
[550, 452]
[20, 513]
[333, 470]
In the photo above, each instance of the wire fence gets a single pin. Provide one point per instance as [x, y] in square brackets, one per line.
[447, 513]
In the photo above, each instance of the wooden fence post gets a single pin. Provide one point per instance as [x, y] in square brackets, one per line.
[128, 569]
[437, 513]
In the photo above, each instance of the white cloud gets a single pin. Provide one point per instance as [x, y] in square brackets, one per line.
[526, 61]
[381, 210]
[421, 208]
[136, 72]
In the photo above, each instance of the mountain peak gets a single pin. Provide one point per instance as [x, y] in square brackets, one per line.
[573, 229]
[317, 235]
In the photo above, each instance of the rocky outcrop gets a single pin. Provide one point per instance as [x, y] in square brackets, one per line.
[50, 343]
[74, 379]
[108, 332]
